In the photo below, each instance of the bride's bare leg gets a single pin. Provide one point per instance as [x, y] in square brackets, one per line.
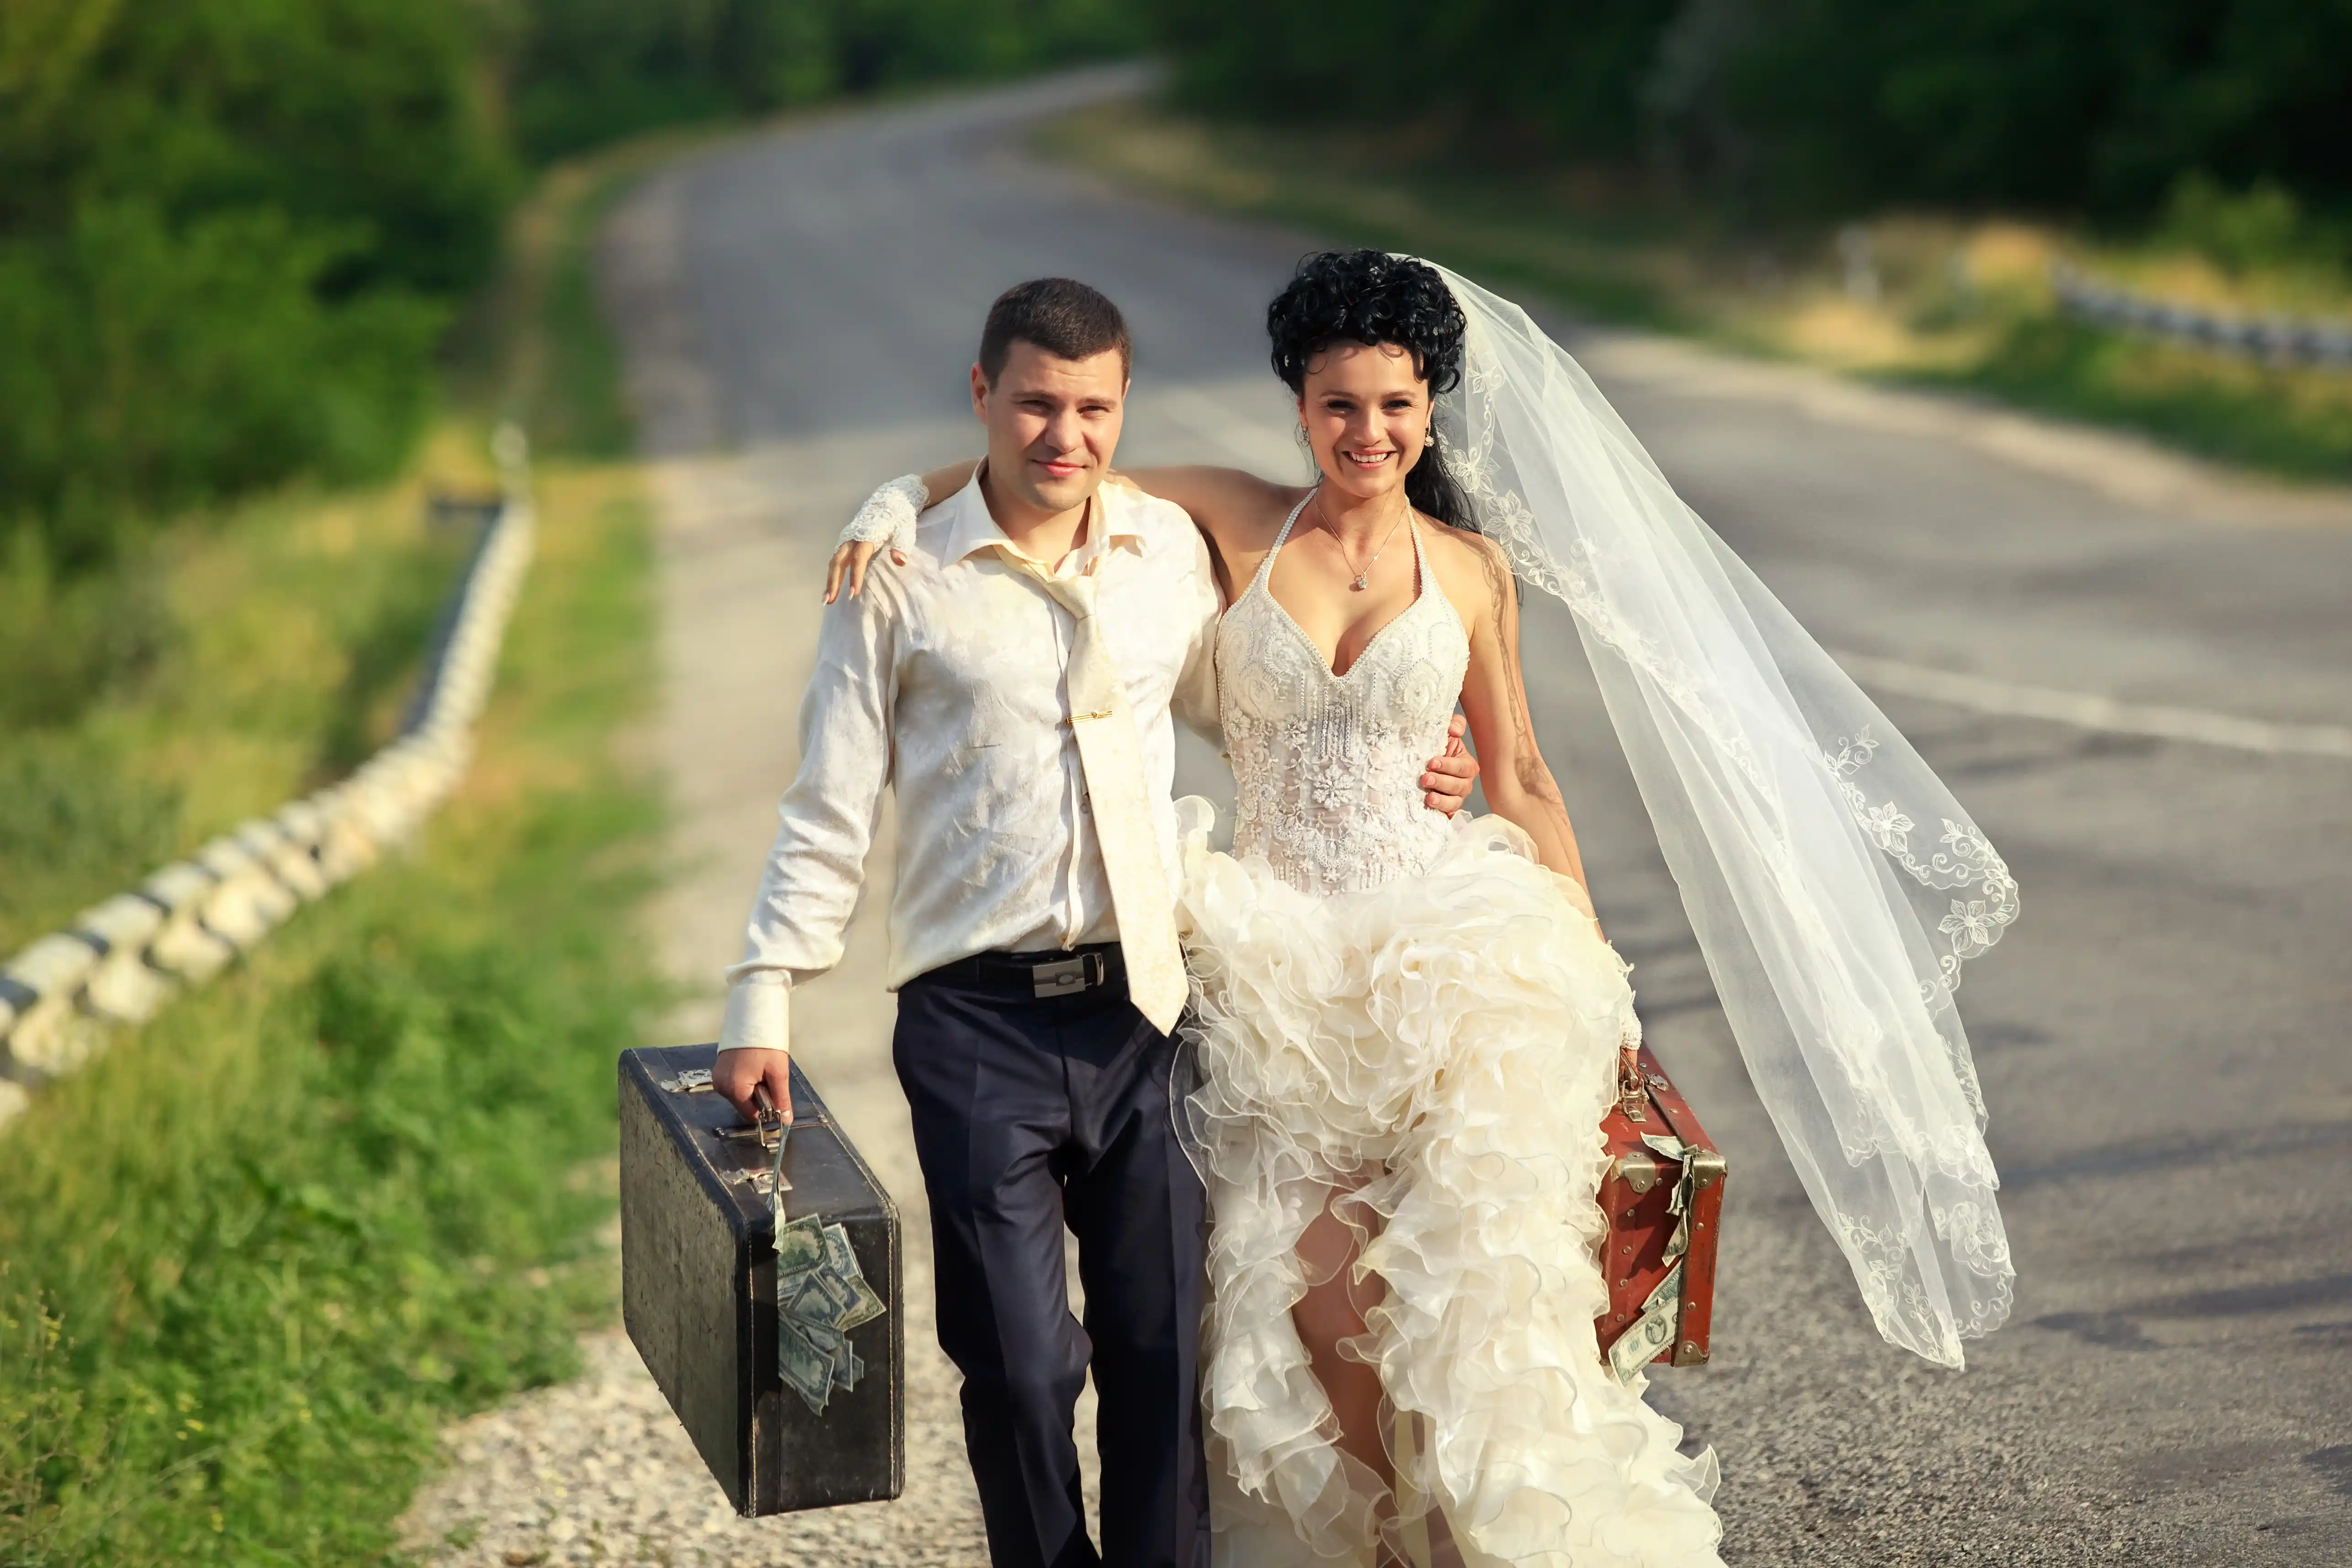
[1331, 1311]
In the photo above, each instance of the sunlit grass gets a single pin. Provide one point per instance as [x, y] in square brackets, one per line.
[288, 635]
[259, 1252]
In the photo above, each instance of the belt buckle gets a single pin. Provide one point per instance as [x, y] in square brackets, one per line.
[1067, 976]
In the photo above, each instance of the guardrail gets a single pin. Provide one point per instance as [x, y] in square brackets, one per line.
[2279, 339]
[121, 961]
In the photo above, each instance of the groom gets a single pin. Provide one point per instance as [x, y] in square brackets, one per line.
[1013, 682]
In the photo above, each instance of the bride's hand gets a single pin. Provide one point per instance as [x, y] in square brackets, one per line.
[1450, 776]
[1632, 1085]
[887, 517]
[849, 562]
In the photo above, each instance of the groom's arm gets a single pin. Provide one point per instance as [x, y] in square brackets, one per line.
[817, 865]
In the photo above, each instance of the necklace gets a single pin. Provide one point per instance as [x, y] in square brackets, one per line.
[1363, 579]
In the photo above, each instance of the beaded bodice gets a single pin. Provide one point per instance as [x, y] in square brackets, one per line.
[1327, 768]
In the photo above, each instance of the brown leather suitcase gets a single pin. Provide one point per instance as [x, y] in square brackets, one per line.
[779, 1346]
[1663, 1194]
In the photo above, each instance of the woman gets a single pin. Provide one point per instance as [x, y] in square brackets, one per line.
[1410, 1028]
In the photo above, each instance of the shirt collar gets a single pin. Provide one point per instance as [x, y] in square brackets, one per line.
[971, 528]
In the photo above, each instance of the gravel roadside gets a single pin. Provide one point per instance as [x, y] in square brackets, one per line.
[598, 1471]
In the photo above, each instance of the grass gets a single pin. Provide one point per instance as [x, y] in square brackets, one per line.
[285, 639]
[255, 1257]
[1962, 305]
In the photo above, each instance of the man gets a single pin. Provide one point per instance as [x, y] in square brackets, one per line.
[1012, 681]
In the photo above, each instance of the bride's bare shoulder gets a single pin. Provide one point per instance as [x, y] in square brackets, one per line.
[1470, 567]
[1460, 549]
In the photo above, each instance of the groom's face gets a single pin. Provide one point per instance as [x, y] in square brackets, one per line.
[1053, 425]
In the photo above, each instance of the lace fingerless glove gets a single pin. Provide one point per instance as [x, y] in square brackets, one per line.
[890, 515]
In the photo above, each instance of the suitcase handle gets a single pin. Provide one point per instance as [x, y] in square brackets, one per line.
[771, 1119]
[773, 1126]
[1632, 1087]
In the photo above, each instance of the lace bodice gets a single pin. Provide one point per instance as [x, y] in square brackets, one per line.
[1327, 768]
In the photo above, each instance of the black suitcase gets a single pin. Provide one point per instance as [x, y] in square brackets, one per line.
[795, 1406]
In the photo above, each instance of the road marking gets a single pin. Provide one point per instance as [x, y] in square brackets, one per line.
[2088, 710]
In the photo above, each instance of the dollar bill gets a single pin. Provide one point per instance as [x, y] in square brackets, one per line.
[821, 1295]
[864, 1305]
[1651, 1333]
[804, 1368]
[800, 1245]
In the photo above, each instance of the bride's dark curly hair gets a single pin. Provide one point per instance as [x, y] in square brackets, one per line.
[1372, 297]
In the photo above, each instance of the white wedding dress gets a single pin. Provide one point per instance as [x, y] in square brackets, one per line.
[1391, 1000]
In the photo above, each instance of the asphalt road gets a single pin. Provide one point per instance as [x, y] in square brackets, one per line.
[2161, 1038]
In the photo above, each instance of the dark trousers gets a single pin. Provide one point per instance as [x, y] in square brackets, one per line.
[1031, 1114]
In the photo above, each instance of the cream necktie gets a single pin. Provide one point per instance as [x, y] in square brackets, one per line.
[1112, 761]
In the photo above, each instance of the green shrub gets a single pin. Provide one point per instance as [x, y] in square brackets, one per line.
[159, 366]
[2264, 226]
[230, 234]
[2093, 106]
[1773, 106]
[589, 71]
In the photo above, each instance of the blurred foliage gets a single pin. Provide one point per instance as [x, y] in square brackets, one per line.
[587, 71]
[2080, 106]
[233, 232]
[228, 233]
[1534, 75]
[2262, 228]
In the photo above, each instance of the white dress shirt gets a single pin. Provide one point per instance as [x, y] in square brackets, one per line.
[944, 680]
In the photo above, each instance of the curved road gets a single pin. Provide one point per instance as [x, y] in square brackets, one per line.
[2162, 1041]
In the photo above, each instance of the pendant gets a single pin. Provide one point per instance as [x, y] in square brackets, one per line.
[1359, 585]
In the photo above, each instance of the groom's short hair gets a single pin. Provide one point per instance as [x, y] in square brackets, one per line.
[1060, 315]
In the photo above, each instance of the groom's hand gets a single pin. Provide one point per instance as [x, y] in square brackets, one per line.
[1452, 777]
[740, 1075]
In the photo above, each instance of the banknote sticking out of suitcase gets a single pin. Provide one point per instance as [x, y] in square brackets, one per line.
[1663, 1194]
[759, 1280]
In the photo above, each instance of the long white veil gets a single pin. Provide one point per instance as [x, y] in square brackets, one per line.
[1834, 885]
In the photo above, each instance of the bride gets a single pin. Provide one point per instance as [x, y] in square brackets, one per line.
[1409, 1028]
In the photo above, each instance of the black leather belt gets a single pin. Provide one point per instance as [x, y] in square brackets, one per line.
[1055, 973]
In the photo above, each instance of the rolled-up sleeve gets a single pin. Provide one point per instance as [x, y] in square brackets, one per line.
[816, 866]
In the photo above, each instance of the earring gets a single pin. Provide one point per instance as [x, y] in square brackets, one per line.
[1307, 450]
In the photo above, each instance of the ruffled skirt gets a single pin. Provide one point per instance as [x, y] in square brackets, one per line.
[1445, 1045]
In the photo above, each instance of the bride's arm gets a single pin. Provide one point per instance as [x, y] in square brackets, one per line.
[1494, 697]
[1224, 504]
[1519, 787]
